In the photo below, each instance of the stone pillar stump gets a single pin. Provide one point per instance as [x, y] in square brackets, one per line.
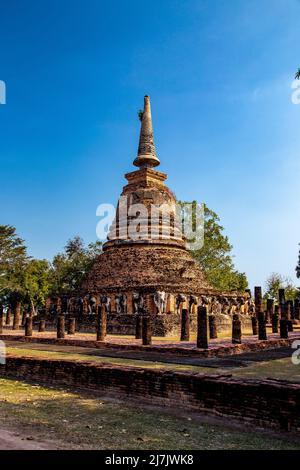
[202, 339]
[28, 326]
[71, 326]
[262, 331]
[138, 327]
[42, 326]
[185, 325]
[17, 315]
[236, 330]
[284, 329]
[101, 323]
[275, 320]
[8, 317]
[270, 310]
[60, 327]
[258, 300]
[212, 323]
[146, 330]
[254, 325]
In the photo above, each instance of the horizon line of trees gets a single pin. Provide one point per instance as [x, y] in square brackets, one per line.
[28, 281]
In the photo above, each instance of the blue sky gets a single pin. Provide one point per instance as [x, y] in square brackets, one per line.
[219, 74]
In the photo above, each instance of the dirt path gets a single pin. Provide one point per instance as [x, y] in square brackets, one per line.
[13, 441]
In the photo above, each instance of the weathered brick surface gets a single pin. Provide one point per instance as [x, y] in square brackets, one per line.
[155, 267]
[150, 263]
[267, 403]
[215, 350]
[163, 325]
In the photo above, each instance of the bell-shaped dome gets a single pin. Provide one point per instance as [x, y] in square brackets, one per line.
[146, 248]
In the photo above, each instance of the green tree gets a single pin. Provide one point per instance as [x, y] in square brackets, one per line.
[22, 279]
[70, 267]
[275, 282]
[13, 259]
[36, 283]
[216, 258]
[74, 247]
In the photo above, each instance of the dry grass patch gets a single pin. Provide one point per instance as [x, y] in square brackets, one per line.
[86, 421]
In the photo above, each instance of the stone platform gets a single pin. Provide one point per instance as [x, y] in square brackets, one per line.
[217, 347]
[163, 325]
[265, 403]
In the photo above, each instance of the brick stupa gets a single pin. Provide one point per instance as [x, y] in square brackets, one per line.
[139, 268]
[157, 263]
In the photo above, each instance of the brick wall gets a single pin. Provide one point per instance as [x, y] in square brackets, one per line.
[267, 403]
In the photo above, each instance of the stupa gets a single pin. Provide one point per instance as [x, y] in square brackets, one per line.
[145, 265]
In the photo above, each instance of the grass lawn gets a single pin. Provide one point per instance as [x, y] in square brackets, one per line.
[35, 352]
[278, 368]
[109, 337]
[282, 369]
[74, 420]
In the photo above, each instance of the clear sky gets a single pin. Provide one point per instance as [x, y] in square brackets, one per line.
[219, 74]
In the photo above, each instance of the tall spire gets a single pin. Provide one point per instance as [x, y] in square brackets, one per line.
[146, 156]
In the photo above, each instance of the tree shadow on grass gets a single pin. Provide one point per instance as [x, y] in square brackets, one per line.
[84, 419]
